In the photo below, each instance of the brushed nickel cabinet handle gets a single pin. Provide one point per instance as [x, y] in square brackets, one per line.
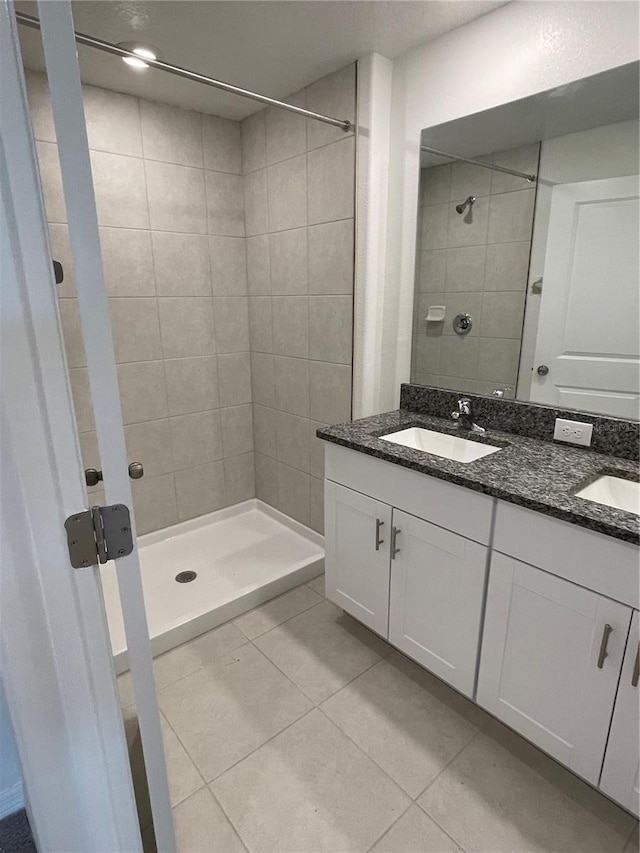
[379, 541]
[608, 630]
[394, 535]
[636, 669]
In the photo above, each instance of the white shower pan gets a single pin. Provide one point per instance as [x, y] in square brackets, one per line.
[243, 556]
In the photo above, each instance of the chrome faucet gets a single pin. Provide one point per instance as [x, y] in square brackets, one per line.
[464, 416]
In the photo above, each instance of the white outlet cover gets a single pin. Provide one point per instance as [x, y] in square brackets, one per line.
[573, 432]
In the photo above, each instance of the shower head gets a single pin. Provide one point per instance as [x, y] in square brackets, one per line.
[460, 208]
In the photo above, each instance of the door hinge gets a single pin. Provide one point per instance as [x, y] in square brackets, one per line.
[99, 534]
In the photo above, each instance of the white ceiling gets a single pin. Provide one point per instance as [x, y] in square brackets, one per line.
[275, 47]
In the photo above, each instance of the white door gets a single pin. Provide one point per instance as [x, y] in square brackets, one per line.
[435, 607]
[357, 538]
[589, 328]
[550, 661]
[68, 114]
[621, 771]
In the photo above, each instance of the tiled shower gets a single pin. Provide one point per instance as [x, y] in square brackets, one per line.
[474, 263]
[228, 257]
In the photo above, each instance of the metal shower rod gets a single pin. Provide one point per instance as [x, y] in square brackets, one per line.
[107, 47]
[530, 178]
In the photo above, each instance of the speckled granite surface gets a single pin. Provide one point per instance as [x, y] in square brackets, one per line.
[540, 475]
[611, 436]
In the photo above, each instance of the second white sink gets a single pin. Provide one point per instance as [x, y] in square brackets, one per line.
[441, 444]
[613, 491]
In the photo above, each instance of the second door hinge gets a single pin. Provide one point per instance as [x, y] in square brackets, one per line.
[99, 534]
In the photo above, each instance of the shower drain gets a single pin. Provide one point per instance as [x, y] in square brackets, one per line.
[186, 577]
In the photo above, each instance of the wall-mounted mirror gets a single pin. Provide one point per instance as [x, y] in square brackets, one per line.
[527, 281]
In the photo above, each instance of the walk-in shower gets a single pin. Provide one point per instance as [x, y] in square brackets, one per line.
[231, 317]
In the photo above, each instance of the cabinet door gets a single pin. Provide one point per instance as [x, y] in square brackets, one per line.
[621, 771]
[550, 662]
[437, 584]
[357, 533]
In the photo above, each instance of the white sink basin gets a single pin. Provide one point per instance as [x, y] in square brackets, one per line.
[613, 491]
[440, 444]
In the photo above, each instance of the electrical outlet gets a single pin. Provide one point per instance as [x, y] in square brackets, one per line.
[573, 432]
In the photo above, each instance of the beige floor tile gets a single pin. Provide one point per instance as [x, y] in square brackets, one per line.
[322, 649]
[317, 585]
[309, 789]
[403, 719]
[201, 826]
[633, 845]
[186, 658]
[490, 801]
[273, 613]
[226, 709]
[183, 776]
[415, 832]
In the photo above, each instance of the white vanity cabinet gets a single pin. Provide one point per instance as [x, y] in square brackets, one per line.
[418, 584]
[435, 605]
[621, 770]
[551, 658]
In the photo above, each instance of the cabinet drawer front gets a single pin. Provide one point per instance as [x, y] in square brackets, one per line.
[437, 585]
[621, 770]
[542, 668]
[598, 562]
[357, 536]
[445, 504]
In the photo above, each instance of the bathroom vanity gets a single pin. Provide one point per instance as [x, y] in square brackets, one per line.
[495, 576]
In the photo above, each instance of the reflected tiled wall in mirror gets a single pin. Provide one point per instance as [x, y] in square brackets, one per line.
[474, 263]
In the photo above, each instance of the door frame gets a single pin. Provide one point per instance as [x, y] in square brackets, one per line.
[54, 646]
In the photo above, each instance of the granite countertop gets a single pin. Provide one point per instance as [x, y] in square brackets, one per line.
[536, 474]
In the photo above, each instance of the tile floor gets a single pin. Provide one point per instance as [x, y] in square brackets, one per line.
[293, 728]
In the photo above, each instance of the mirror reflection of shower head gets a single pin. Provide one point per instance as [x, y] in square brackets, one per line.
[468, 202]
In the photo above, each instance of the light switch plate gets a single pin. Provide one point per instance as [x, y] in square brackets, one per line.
[574, 432]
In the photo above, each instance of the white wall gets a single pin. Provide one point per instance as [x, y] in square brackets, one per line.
[514, 52]
[11, 795]
[602, 152]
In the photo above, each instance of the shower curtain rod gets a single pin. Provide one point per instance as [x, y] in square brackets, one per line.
[529, 178]
[107, 47]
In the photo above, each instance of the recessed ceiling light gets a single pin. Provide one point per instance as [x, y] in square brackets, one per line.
[142, 52]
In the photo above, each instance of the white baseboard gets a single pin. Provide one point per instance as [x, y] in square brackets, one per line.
[11, 799]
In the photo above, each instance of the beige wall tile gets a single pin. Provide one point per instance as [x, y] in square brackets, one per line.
[234, 378]
[331, 176]
[232, 323]
[511, 216]
[192, 384]
[435, 185]
[221, 143]
[150, 443]
[333, 95]
[502, 314]
[293, 493]
[291, 325]
[258, 265]
[287, 194]
[225, 204]
[507, 266]
[82, 399]
[113, 121]
[119, 186]
[176, 198]
[256, 207]
[261, 323]
[143, 392]
[316, 504]
[331, 328]
[72, 332]
[40, 106]
[498, 360]
[458, 357]
[171, 134]
[465, 268]
[469, 229]
[316, 450]
[433, 234]
[186, 324]
[331, 257]
[523, 159]
[292, 440]
[288, 259]
[51, 180]
[254, 142]
[228, 266]
[432, 268]
[266, 479]
[181, 264]
[237, 430]
[467, 179]
[262, 379]
[239, 478]
[154, 503]
[200, 490]
[330, 392]
[286, 132]
[127, 262]
[265, 426]
[292, 385]
[196, 439]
